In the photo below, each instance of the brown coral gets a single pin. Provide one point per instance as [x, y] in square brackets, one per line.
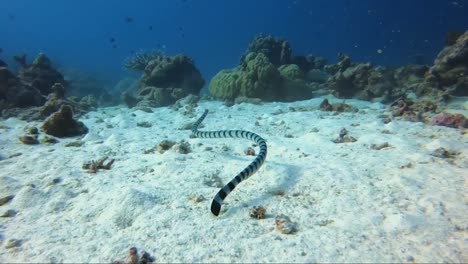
[62, 124]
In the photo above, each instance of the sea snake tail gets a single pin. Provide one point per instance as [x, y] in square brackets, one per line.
[245, 173]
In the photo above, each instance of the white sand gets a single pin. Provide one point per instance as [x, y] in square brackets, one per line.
[350, 203]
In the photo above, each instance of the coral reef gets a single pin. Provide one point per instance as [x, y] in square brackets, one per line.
[140, 59]
[14, 93]
[450, 70]
[451, 37]
[294, 83]
[277, 50]
[362, 80]
[268, 72]
[39, 90]
[450, 120]
[41, 75]
[419, 111]
[165, 80]
[62, 124]
[225, 85]
[21, 60]
[309, 62]
[258, 79]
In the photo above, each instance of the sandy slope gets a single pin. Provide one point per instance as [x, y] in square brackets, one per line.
[350, 202]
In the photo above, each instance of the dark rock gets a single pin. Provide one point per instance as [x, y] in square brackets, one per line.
[41, 75]
[451, 37]
[13, 93]
[450, 69]
[325, 105]
[29, 140]
[6, 199]
[21, 60]
[59, 90]
[62, 124]
[129, 100]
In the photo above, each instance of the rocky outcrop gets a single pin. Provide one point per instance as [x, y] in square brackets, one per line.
[14, 93]
[167, 79]
[450, 70]
[41, 75]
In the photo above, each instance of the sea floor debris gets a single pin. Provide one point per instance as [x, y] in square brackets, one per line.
[94, 166]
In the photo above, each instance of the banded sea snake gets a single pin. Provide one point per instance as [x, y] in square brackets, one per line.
[245, 173]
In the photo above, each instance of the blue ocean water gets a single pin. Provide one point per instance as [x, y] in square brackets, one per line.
[97, 35]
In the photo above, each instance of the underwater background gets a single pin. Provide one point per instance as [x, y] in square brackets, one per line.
[96, 36]
[224, 131]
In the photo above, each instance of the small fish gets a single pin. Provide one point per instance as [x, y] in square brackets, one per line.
[128, 19]
[112, 40]
[150, 28]
[114, 46]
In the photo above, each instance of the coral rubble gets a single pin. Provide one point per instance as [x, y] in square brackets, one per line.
[258, 212]
[450, 120]
[94, 166]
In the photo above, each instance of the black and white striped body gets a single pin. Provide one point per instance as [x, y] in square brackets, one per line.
[245, 173]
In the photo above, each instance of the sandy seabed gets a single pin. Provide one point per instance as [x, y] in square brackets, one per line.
[349, 202]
